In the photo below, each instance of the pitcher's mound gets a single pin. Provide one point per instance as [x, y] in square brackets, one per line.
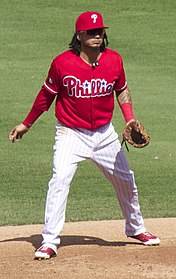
[97, 250]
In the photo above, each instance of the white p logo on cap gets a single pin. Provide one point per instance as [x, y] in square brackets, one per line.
[94, 16]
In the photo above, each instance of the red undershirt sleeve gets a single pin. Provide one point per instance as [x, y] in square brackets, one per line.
[42, 103]
[127, 111]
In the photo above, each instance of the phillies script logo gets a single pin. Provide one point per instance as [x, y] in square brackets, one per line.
[87, 89]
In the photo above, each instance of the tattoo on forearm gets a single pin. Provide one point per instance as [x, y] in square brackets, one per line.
[124, 97]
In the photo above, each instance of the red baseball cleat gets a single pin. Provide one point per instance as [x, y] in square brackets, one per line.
[44, 252]
[147, 238]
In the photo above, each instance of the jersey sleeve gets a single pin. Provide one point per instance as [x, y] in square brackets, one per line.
[52, 81]
[42, 103]
[44, 99]
[121, 82]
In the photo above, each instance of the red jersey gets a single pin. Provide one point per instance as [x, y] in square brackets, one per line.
[84, 93]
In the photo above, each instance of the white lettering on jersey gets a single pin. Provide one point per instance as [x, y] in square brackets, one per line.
[87, 89]
[94, 16]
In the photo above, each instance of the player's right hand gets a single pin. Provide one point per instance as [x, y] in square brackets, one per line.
[17, 132]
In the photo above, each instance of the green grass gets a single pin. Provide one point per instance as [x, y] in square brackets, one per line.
[32, 34]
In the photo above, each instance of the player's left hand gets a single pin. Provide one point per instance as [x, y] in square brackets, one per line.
[135, 134]
[17, 132]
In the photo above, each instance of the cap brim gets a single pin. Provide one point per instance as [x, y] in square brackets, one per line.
[97, 27]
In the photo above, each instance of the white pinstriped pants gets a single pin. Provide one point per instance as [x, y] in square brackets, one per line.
[102, 147]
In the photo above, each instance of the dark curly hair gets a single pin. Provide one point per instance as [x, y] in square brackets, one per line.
[75, 44]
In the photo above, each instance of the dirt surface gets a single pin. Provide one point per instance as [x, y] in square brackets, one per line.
[90, 250]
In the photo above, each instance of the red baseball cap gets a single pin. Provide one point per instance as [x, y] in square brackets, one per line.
[89, 20]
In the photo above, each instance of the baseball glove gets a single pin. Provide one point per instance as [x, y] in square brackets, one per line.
[135, 134]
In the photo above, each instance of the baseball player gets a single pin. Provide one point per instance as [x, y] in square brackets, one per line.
[83, 80]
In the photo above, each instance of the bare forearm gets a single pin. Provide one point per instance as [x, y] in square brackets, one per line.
[124, 97]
